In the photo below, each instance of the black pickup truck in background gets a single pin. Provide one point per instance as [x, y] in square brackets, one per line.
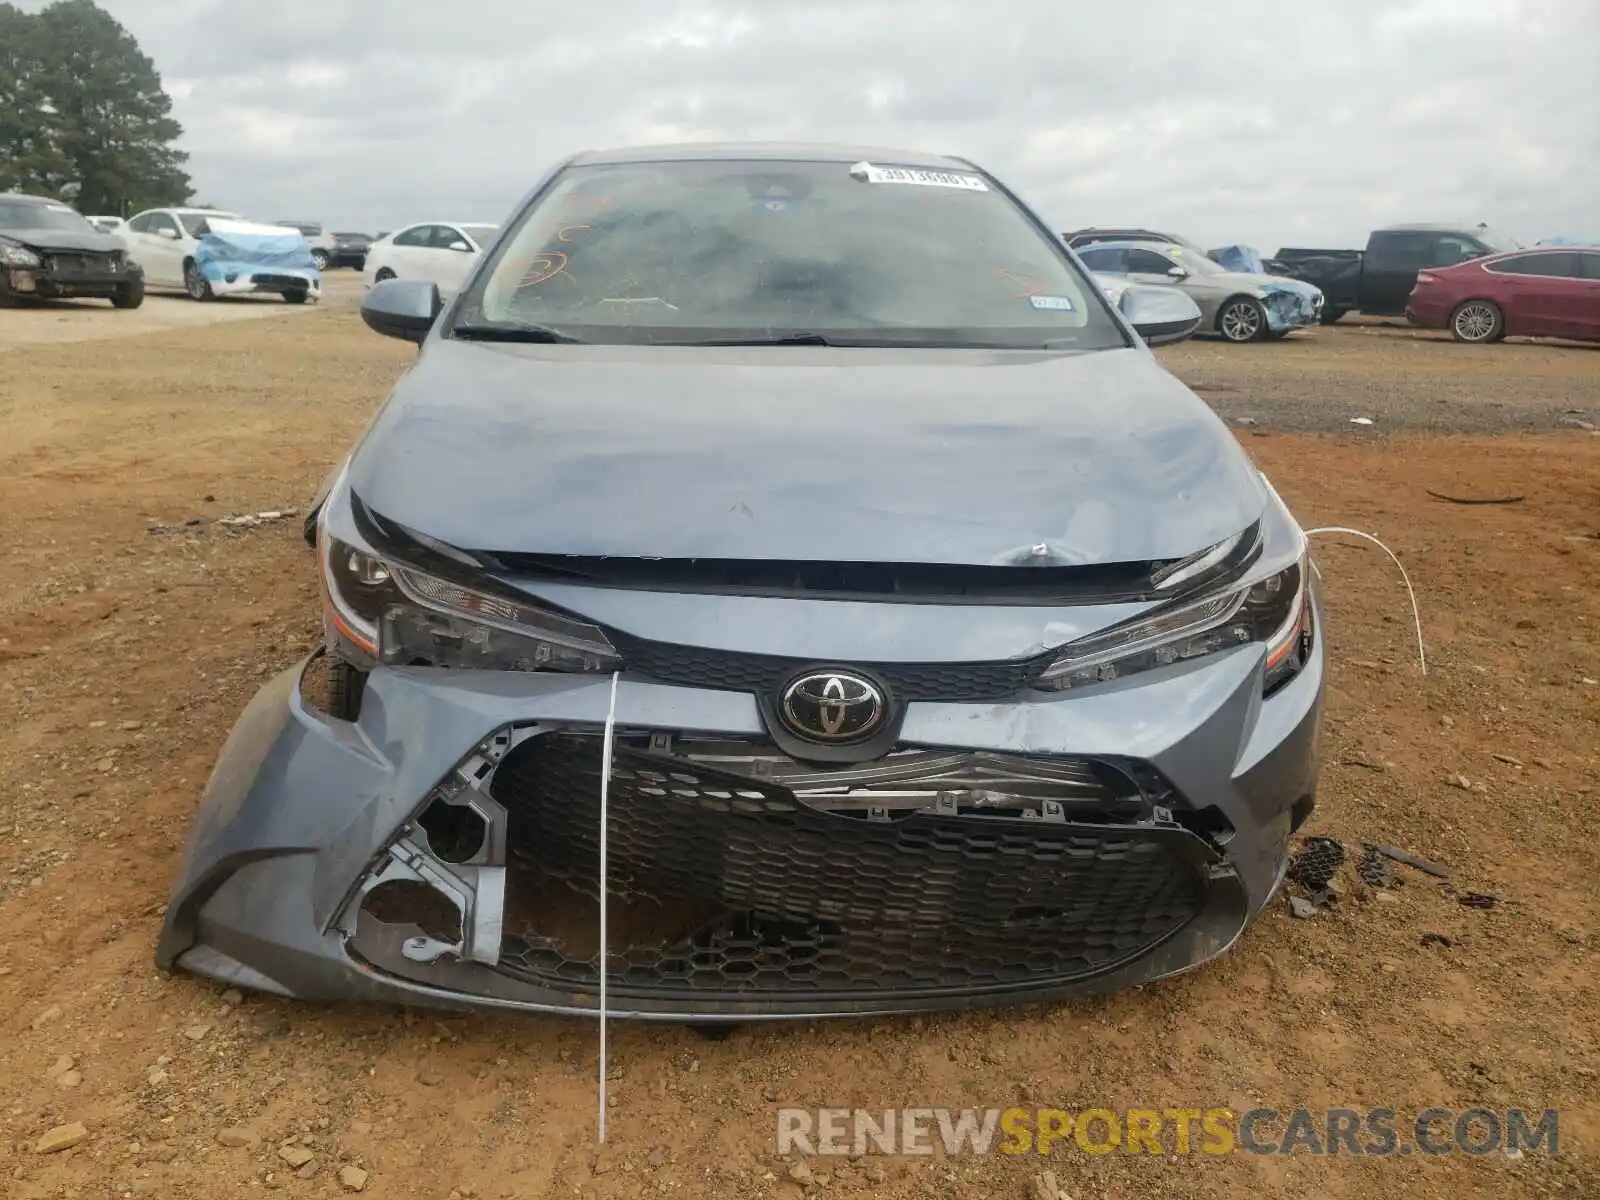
[1379, 279]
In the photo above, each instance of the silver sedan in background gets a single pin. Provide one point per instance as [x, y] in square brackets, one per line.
[1241, 307]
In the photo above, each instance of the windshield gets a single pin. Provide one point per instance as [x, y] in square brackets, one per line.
[1499, 243]
[42, 216]
[194, 222]
[680, 252]
[482, 234]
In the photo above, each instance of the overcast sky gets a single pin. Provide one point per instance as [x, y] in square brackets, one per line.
[1263, 123]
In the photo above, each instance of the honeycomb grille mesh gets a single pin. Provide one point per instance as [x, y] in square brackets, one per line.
[733, 671]
[725, 884]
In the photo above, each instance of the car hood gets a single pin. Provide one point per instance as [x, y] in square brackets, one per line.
[65, 239]
[850, 455]
[1261, 285]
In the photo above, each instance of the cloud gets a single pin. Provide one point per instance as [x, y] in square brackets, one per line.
[1269, 123]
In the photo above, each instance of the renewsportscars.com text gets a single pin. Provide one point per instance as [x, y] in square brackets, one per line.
[1374, 1132]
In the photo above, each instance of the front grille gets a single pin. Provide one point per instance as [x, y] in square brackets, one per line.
[725, 883]
[288, 281]
[82, 264]
[735, 671]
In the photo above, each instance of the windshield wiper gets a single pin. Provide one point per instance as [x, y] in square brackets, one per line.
[484, 332]
[863, 341]
[772, 339]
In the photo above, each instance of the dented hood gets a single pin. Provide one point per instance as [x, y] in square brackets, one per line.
[799, 453]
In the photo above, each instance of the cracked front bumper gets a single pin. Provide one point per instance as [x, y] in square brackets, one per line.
[322, 849]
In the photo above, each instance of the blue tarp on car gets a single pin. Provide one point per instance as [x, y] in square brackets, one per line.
[1291, 303]
[1244, 259]
[237, 249]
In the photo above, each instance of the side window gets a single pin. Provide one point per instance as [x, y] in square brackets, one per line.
[1109, 260]
[140, 224]
[1397, 251]
[417, 235]
[1561, 266]
[160, 221]
[1589, 265]
[1148, 262]
[445, 236]
[1449, 250]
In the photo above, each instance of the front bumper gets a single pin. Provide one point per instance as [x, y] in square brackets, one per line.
[238, 279]
[323, 857]
[46, 284]
[1292, 307]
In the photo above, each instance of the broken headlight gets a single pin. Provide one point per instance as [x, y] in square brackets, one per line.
[15, 255]
[1274, 609]
[402, 617]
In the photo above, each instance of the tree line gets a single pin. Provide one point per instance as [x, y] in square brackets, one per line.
[83, 116]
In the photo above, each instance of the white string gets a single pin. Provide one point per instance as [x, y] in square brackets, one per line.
[1416, 616]
[605, 800]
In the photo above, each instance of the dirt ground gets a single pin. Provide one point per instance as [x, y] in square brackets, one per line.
[130, 640]
[96, 320]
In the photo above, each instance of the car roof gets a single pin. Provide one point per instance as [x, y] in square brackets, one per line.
[1140, 243]
[24, 198]
[1519, 253]
[1465, 227]
[1155, 235]
[770, 152]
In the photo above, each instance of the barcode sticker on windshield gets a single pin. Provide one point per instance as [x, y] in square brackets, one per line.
[869, 173]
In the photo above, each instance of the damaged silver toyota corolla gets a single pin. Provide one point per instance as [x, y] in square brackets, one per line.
[944, 648]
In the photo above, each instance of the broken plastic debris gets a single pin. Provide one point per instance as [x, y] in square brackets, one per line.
[249, 520]
[1361, 420]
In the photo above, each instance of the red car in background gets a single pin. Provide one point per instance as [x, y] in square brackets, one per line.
[1548, 292]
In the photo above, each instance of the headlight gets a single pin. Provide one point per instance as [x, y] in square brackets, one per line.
[13, 255]
[401, 617]
[1275, 610]
[357, 589]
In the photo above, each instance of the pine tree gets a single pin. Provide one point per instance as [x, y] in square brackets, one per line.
[86, 115]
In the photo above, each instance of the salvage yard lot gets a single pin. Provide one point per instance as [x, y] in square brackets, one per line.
[126, 652]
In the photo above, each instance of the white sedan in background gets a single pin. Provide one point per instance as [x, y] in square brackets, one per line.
[163, 241]
[440, 252]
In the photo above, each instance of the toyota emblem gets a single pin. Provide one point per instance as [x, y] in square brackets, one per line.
[833, 707]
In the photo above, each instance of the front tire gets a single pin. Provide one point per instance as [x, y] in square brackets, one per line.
[1330, 316]
[1242, 319]
[128, 295]
[320, 259]
[1478, 322]
[196, 285]
[345, 686]
[295, 296]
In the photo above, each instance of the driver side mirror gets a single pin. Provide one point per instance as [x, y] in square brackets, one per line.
[402, 308]
[461, 246]
[170, 234]
[1159, 315]
[1177, 273]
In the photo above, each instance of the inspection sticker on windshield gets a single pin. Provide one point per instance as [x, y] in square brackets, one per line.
[868, 173]
[1054, 303]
